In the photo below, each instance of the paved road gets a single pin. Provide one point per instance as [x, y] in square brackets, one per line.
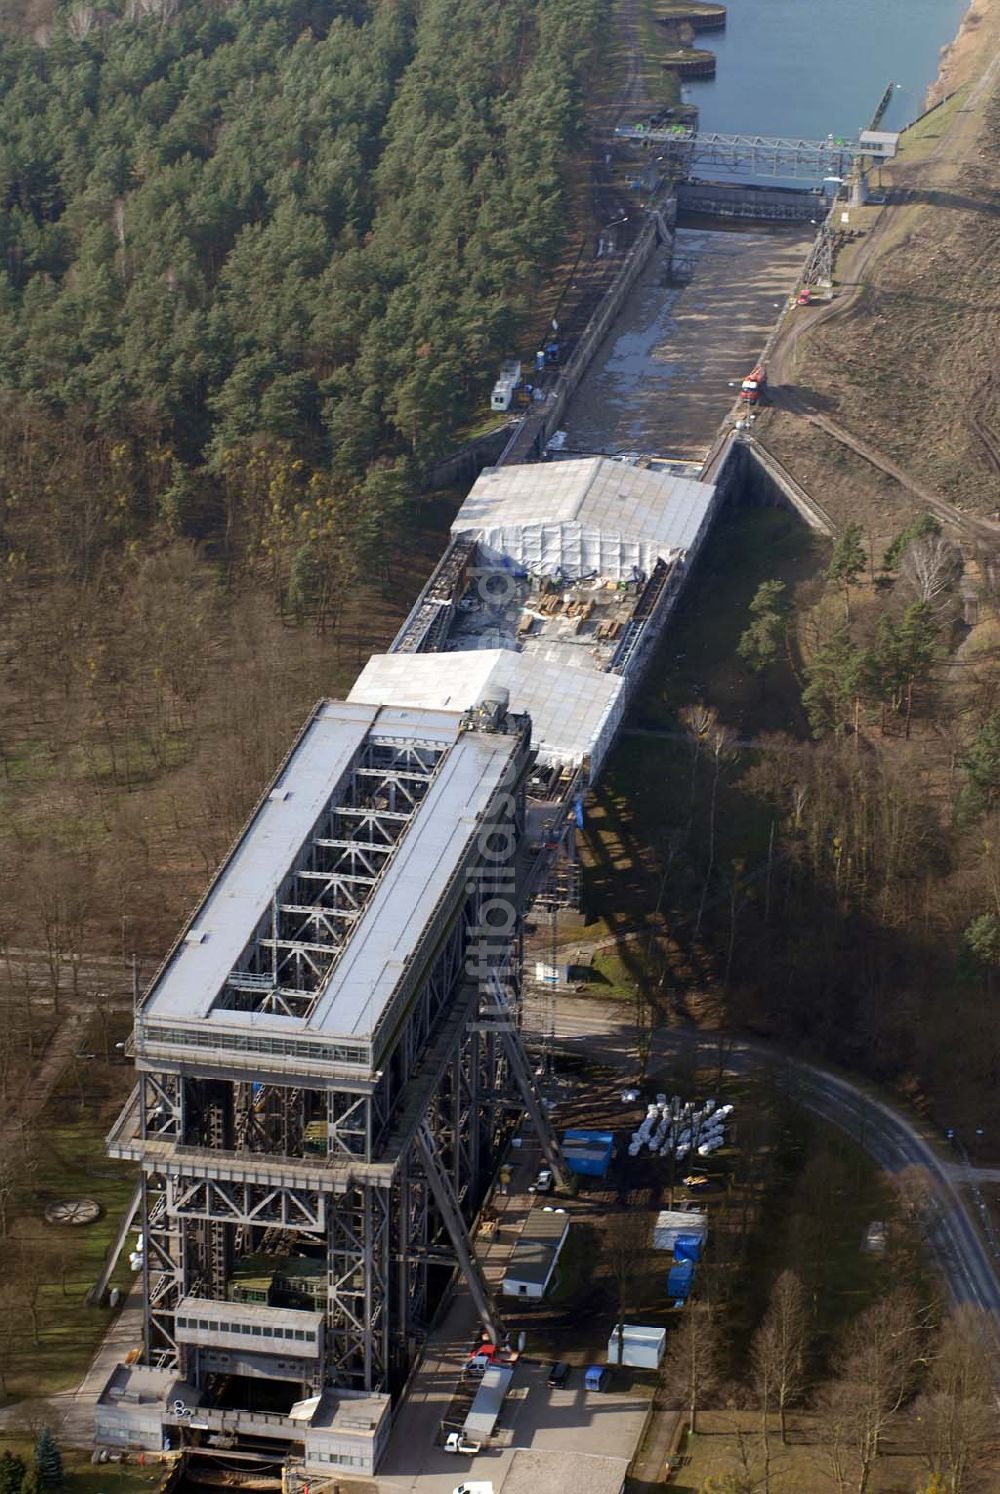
[888, 1135]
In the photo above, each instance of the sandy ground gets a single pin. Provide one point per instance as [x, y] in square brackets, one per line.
[664, 378]
[961, 58]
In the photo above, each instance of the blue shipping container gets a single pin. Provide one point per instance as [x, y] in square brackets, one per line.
[679, 1279]
[588, 1153]
[688, 1248]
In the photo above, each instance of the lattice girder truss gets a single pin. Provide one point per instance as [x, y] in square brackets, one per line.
[246, 1203]
[163, 1274]
[358, 1287]
[286, 964]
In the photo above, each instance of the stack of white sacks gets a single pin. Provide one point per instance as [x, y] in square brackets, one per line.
[675, 1126]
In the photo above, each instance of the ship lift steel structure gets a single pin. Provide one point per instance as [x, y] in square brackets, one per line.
[373, 1171]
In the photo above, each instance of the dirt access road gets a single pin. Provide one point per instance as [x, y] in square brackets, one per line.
[899, 370]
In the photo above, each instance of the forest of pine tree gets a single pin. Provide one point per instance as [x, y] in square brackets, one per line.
[260, 259]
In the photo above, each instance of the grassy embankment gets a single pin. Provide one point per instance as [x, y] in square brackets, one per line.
[85, 1477]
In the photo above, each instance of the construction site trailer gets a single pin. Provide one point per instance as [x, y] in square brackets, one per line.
[638, 1346]
[535, 1256]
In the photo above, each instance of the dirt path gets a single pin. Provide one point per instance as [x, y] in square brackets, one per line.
[30, 1103]
[784, 397]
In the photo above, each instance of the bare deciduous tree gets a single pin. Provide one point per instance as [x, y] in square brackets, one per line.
[931, 567]
[749, 1471]
[779, 1348]
[957, 1410]
[628, 1250]
[875, 1365]
[691, 1364]
[722, 745]
[10, 1317]
[914, 1191]
[30, 1266]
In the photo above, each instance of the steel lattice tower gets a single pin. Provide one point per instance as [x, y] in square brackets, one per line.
[327, 1061]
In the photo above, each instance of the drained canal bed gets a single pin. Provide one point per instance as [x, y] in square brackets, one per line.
[664, 378]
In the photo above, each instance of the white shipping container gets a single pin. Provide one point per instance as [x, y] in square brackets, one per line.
[641, 1347]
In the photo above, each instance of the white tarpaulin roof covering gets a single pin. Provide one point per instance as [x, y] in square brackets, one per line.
[573, 711]
[593, 516]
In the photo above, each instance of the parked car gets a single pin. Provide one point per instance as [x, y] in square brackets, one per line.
[458, 1442]
[558, 1375]
[543, 1183]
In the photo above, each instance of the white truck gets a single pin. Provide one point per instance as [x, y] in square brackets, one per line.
[458, 1442]
[474, 1488]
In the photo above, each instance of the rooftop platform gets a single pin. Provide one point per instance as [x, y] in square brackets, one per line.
[553, 573]
[590, 517]
[309, 924]
[572, 707]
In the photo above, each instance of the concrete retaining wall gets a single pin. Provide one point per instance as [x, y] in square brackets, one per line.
[465, 464]
[528, 441]
[746, 472]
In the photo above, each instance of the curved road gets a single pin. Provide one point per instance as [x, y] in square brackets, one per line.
[954, 1243]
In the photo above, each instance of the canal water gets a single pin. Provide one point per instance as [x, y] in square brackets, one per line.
[665, 376]
[813, 68]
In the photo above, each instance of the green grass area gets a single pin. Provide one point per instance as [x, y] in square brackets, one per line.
[611, 976]
[917, 142]
[661, 87]
[482, 423]
[85, 1477]
[800, 1467]
[67, 1161]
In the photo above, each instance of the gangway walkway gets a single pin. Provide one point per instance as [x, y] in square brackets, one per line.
[751, 155]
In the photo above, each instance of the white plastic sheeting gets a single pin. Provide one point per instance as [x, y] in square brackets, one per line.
[677, 1126]
[587, 517]
[673, 1222]
[571, 550]
[574, 712]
